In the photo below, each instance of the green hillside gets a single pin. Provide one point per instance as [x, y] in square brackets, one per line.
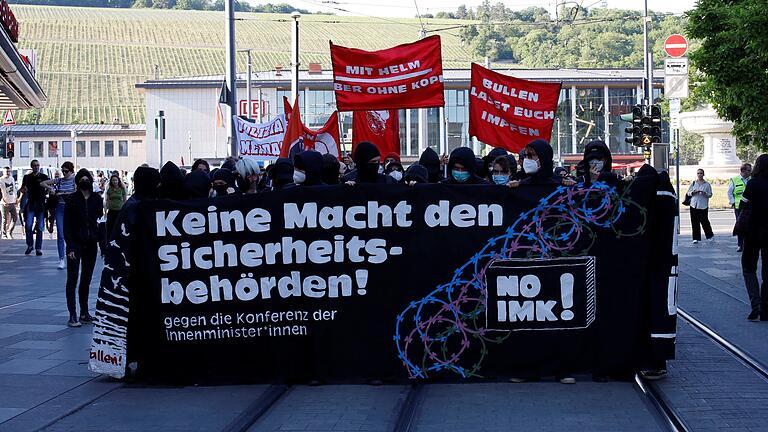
[89, 59]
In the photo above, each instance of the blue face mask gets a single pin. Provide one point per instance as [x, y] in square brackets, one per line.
[500, 179]
[460, 176]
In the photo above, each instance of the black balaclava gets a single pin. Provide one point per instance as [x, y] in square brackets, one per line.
[331, 168]
[545, 153]
[431, 161]
[281, 173]
[229, 185]
[171, 182]
[311, 162]
[197, 184]
[79, 176]
[145, 182]
[366, 172]
[481, 168]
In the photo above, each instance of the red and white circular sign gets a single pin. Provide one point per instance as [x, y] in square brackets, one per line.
[676, 45]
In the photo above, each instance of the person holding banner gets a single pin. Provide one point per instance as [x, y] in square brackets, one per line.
[462, 168]
[538, 164]
[367, 163]
[308, 168]
[331, 172]
[395, 170]
[415, 174]
[500, 171]
[431, 161]
[248, 170]
[597, 164]
[197, 184]
[281, 174]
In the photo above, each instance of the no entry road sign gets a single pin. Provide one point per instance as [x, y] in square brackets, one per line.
[676, 45]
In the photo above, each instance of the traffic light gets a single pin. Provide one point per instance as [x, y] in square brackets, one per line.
[3, 144]
[635, 131]
[656, 123]
[10, 148]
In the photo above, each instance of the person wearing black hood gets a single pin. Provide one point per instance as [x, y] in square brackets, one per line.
[224, 182]
[367, 162]
[82, 234]
[197, 184]
[538, 165]
[171, 182]
[431, 161]
[281, 174]
[331, 169]
[201, 165]
[461, 168]
[415, 174]
[597, 164]
[490, 158]
[308, 168]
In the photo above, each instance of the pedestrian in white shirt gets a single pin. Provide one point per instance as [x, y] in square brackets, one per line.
[700, 192]
[10, 200]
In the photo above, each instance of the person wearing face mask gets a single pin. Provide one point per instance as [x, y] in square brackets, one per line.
[367, 157]
[501, 172]
[82, 237]
[395, 170]
[331, 169]
[461, 168]
[490, 159]
[431, 161]
[248, 170]
[391, 157]
[415, 174]
[225, 182]
[282, 174]
[308, 168]
[538, 165]
[596, 165]
[197, 184]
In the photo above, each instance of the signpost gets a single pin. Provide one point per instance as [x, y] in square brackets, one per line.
[8, 119]
[675, 88]
[676, 45]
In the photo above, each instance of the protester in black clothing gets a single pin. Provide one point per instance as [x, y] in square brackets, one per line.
[431, 161]
[197, 184]
[331, 169]
[248, 175]
[171, 182]
[395, 170]
[597, 164]
[538, 165]
[201, 165]
[224, 182]
[489, 160]
[82, 235]
[501, 173]
[34, 213]
[367, 158]
[461, 168]
[561, 172]
[753, 226]
[415, 174]
[282, 174]
[308, 168]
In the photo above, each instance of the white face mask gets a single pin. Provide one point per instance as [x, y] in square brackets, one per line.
[397, 175]
[597, 165]
[381, 169]
[530, 166]
[299, 177]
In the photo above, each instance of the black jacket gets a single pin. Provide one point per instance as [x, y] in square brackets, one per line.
[81, 226]
[466, 157]
[545, 174]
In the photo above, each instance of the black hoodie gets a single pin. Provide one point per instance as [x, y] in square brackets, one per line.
[171, 182]
[416, 173]
[282, 174]
[366, 172]
[431, 161]
[545, 174]
[331, 168]
[596, 149]
[81, 215]
[311, 162]
[492, 155]
[197, 184]
[466, 157]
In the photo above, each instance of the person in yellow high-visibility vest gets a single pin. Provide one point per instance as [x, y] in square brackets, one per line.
[735, 192]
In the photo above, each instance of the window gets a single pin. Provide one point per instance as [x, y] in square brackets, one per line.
[109, 148]
[24, 149]
[562, 133]
[66, 149]
[457, 116]
[433, 129]
[94, 149]
[39, 149]
[80, 148]
[122, 148]
[589, 116]
[53, 148]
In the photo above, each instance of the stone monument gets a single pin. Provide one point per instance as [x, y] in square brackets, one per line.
[720, 160]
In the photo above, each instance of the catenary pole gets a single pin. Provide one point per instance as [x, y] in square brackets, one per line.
[229, 32]
[295, 56]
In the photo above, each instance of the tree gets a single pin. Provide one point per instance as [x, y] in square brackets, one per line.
[732, 57]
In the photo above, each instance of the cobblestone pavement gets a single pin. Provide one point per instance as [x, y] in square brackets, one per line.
[44, 381]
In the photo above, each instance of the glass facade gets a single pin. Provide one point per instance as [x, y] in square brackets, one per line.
[620, 101]
[457, 119]
[562, 132]
[589, 116]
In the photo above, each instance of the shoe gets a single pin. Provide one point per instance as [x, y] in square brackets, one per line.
[754, 316]
[29, 251]
[695, 241]
[73, 321]
[61, 264]
[654, 374]
[567, 379]
[38, 252]
[86, 318]
[711, 238]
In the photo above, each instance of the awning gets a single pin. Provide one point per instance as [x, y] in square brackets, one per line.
[19, 88]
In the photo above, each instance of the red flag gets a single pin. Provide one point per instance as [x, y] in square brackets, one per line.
[299, 137]
[405, 76]
[382, 128]
[509, 112]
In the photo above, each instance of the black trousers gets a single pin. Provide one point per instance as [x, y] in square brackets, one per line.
[754, 248]
[699, 219]
[111, 219]
[740, 238]
[86, 259]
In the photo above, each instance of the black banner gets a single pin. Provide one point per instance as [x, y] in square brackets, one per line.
[391, 281]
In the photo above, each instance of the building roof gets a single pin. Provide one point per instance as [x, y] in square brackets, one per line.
[452, 76]
[82, 129]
